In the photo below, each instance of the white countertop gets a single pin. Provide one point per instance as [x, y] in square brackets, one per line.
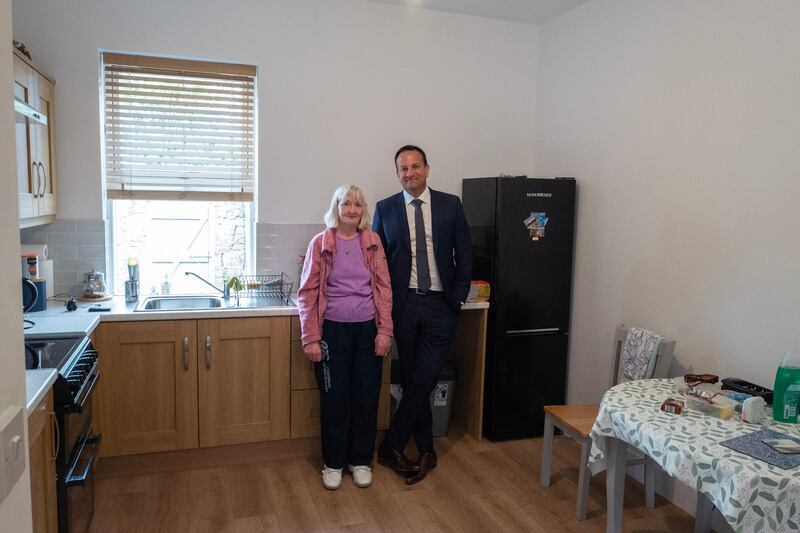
[56, 321]
[60, 325]
[38, 382]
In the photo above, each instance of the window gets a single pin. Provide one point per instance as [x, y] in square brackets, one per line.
[179, 164]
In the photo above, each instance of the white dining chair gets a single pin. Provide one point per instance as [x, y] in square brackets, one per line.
[576, 422]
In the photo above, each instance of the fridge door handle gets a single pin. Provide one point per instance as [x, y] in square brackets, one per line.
[536, 331]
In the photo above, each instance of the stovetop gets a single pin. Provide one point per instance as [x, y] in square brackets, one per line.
[53, 353]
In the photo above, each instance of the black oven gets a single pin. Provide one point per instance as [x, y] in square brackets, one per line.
[76, 361]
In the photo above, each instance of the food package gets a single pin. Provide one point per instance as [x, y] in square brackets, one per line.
[478, 291]
[719, 406]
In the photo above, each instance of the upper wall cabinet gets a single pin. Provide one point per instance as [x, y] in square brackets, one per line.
[35, 133]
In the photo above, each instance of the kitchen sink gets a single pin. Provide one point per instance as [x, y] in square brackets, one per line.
[179, 303]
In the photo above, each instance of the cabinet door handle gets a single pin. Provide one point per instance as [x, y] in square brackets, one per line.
[208, 351]
[35, 178]
[186, 353]
[44, 180]
[39, 186]
[58, 434]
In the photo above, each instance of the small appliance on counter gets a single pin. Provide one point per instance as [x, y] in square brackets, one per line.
[30, 294]
[94, 287]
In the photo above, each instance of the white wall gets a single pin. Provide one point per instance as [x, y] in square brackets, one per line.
[15, 509]
[680, 120]
[343, 83]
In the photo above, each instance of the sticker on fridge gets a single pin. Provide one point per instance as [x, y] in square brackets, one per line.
[535, 224]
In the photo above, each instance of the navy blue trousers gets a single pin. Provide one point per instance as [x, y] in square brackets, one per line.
[349, 410]
[424, 332]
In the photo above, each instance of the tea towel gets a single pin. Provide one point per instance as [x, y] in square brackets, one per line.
[638, 351]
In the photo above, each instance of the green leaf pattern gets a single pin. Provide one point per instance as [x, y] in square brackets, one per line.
[752, 495]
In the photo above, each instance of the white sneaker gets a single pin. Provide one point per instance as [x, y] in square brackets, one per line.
[362, 475]
[331, 478]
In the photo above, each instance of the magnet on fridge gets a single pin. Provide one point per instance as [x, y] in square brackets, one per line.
[535, 224]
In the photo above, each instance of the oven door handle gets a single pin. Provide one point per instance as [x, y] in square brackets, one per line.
[85, 392]
[78, 481]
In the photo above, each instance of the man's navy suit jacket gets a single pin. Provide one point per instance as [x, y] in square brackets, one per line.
[452, 246]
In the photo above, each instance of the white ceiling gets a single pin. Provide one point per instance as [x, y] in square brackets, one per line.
[527, 11]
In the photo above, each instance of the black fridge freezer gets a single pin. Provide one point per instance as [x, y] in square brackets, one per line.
[523, 233]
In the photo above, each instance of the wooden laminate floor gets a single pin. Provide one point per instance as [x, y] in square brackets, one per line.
[276, 487]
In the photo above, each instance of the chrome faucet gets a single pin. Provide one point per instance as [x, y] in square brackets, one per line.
[226, 292]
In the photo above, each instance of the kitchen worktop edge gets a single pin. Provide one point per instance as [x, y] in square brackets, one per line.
[37, 383]
[121, 311]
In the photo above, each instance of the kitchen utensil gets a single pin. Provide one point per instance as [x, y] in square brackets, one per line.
[132, 290]
[94, 285]
[133, 269]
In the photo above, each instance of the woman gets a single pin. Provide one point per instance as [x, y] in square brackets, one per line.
[345, 302]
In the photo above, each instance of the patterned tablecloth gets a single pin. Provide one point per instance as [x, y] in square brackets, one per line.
[751, 494]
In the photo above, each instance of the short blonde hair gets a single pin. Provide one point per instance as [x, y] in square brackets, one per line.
[339, 196]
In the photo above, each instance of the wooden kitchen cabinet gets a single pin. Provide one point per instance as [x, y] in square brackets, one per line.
[42, 466]
[35, 152]
[179, 384]
[305, 394]
[146, 398]
[243, 380]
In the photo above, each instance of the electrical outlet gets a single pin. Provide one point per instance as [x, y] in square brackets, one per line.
[13, 449]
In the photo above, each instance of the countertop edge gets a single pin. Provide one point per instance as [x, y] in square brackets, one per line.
[124, 312]
[37, 383]
[133, 316]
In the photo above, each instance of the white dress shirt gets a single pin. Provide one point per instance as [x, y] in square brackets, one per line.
[436, 284]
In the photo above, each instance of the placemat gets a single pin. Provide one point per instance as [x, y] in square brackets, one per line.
[750, 444]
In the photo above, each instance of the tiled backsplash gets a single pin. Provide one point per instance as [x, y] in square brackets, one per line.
[279, 247]
[78, 246]
[75, 246]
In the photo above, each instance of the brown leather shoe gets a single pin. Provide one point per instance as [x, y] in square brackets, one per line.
[397, 461]
[427, 462]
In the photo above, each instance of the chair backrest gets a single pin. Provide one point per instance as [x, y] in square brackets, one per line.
[657, 368]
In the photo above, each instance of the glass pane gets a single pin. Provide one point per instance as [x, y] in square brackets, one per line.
[170, 238]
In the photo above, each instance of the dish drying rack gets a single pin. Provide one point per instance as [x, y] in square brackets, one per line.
[266, 286]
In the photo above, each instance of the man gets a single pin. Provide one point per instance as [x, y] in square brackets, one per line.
[428, 247]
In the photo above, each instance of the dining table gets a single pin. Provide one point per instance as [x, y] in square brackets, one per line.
[751, 494]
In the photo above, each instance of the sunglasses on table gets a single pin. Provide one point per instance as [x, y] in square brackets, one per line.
[696, 379]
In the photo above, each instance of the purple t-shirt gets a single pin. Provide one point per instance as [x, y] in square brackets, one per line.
[349, 291]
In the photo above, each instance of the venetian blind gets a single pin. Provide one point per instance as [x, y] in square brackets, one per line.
[177, 129]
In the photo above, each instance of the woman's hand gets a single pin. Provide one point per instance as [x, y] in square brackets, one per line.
[383, 345]
[313, 351]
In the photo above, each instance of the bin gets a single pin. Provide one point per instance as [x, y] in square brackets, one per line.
[441, 398]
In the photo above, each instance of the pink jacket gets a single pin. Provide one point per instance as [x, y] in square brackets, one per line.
[311, 299]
